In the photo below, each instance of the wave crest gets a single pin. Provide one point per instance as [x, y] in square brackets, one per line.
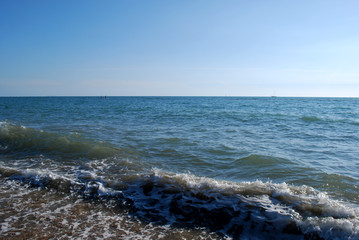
[17, 139]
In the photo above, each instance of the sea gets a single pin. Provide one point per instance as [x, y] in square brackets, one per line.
[179, 168]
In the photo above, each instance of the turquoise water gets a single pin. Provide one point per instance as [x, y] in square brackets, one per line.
[210, 167]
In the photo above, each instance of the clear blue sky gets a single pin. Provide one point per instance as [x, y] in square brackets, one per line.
[171, 48]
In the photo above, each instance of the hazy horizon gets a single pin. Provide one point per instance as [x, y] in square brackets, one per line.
[234, 96]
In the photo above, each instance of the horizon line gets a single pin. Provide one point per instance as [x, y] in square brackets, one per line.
[228, 96]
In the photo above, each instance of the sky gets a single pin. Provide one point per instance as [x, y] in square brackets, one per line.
[306, 48]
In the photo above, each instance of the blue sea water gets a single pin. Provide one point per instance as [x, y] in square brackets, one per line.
[179, 167]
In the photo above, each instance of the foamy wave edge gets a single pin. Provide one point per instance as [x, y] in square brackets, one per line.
[176, 199]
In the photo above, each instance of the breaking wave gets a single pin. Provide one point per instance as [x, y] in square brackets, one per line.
[236, 210]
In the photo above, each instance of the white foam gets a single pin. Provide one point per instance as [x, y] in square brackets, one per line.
[331, 228]
[281, 198]
[312, 210]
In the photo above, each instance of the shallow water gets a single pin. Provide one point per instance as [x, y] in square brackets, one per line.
[179, 167]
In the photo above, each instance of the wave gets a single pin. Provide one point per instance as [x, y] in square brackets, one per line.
[255, 209]
[261, 160]
[329, 120]
[257, 166]
[17, 139]
[310, 119]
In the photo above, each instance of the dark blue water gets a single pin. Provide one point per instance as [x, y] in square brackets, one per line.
[287, 166]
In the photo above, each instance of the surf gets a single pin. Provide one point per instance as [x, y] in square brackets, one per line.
[233, 209]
